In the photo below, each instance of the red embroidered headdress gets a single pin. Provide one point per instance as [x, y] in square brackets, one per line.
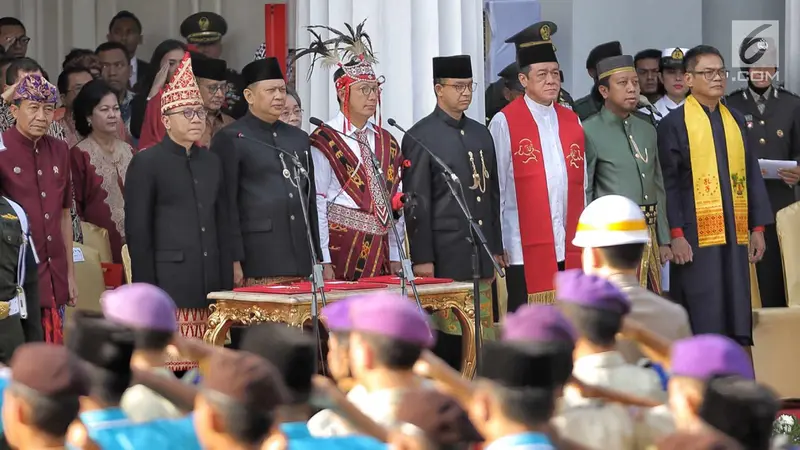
[182, 89]
[351, 53]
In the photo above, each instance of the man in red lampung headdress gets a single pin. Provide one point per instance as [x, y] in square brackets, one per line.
[540, 162]
[354, 218]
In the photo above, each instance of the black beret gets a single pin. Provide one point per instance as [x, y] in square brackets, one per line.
[100, 342]
[262, 69]
[525, 364]
[439, 416]
[459, 66]
[204, 28]
[293, 354]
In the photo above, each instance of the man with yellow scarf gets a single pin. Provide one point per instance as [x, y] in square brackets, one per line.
[717, 204]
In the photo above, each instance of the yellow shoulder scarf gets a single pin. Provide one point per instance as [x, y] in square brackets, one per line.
[705, 175]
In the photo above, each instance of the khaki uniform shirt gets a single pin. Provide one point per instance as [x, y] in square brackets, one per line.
[609, 369]
[596, 425]
[380, 406]
[142, 404]
[659, 315]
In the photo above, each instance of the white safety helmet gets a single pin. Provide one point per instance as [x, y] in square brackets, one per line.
[611, 220]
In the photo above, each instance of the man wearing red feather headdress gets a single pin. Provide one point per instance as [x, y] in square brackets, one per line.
[353, 216]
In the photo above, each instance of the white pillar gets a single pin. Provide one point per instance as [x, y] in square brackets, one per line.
[406, 35]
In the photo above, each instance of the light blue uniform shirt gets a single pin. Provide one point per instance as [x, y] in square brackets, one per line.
[523, 441]
[301, 439]
[111, 430]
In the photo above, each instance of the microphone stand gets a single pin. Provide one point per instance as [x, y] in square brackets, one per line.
[406, 267]
[477, 238]
[317, 282]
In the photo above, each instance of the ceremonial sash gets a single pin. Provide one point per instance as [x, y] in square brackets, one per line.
[705, 175]
[530, 183]
[352, 176]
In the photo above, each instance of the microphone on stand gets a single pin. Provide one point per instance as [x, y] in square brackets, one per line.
[292, 156]
[407, 272]
[438, 160]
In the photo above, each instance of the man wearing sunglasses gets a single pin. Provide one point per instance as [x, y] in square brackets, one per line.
[717, 204]
[176, 219]
[210, 75]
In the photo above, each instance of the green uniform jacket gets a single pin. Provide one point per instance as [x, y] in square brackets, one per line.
[586, 107]
[612, 166]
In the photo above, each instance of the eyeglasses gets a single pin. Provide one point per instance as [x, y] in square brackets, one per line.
[19, 40]
[710, 74]
[214, 88]
[366, 90]
[189, 114]
[460, 88]
[297, 112]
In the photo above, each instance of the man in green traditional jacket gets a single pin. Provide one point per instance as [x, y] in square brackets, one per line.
[622, 159]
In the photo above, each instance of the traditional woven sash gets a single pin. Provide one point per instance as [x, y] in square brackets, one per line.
[705, 175]
[530, 182]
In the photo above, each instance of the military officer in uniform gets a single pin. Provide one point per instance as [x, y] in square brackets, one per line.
[438, 232]
[266, 217]
[20, 316]
[772, 115]
[205, 31]
[590, 104]
[622, 158]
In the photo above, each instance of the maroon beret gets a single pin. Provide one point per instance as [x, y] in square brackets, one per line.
[48, 369]
[248, 379]
[439, 416]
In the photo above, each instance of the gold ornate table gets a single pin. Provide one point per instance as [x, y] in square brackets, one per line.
[246, 308]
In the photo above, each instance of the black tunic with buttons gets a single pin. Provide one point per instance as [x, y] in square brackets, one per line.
[773, 134]
[437, 229]
[266, 216]
[176, 220]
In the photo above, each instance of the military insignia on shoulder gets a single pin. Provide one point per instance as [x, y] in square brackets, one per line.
[785, 91]
[565, 104]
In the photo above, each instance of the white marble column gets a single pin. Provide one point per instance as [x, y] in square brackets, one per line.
[406, 35]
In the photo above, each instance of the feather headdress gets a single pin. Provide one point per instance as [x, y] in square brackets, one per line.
[349, 51]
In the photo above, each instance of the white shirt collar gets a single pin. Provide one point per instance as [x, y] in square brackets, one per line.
[538, 107]
[134, 71]
[337, 122]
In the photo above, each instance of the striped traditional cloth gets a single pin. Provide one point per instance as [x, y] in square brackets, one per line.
[192, 323]
[53, 324]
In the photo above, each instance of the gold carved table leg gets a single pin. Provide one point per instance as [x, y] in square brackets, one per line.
[464, 310]
[227, 313]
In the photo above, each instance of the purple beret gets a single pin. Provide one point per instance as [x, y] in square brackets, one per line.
[575, 287]
[140, 305]
[392, 316]
[708, 355]
[337, 314]
[537, 323]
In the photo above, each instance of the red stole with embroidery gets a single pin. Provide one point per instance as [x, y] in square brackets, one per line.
[533, 204]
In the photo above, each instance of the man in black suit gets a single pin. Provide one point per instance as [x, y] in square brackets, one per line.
[176, 220]
[126, 29]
